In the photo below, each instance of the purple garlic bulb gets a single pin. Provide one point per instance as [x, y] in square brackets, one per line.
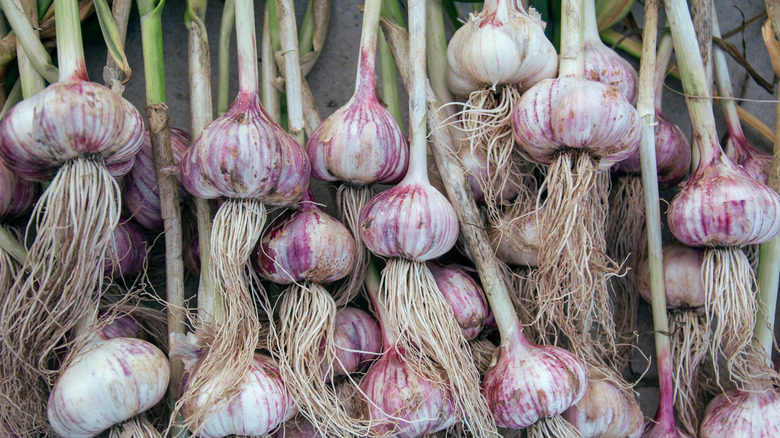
[502, 44]
[523, 249]
[68, 120]
[245, 154]
[682, 277]
[306, 245]
[358, 341]
[130, 248]
[576, 114]
[139, 192]
[753, 413]
[603, 65]
[528, 382]
[17, 196]
[723, 206]
[672, 154]
[412, 220]
[464, 295]
[297, 427]
[401, 403]
[755, 162]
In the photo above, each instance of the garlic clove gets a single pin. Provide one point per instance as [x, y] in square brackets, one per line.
[360, 144]
[682, 277]
[109, 382]
[464, 295]
[69, 120]
[401, 403]
[604, 124]
[412, 220]
[139, 190]
[721, 205]
[500, 45]
[753, 413]
[129, 248]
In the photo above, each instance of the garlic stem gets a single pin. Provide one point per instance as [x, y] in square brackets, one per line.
[292, 68]
[365, 81]
[32, 82]
[120, 10]
[268, 69]
[70, 50]
[14, 97]
[572, 61]
[645, 106]
[591, 26]
[723, 82]
[223, 56]
[26, 35]
[662, 57]
[418, 129]
[13, 247]
[472, 225]
[437, 55]
[390, 92]
[201, 115]
[306, 31]
[247, 48]
[694, 80]
[373, 282]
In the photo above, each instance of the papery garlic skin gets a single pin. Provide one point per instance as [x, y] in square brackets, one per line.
[721, 205]
[603, 65]
[245, 154]
[524, 231]
[605, 412]
[130, 247]
[464, 295]
[358, 341]
[575, 114]
[402, 403]
[500, 45]
[529, 382]
[412, 220]
[682, 277]
[742, 414]
[360, 144]
[69, 120]
[306, 245]
[111, 381]
[139, 190]
[672, 152]
[261, 405]
[17, 196]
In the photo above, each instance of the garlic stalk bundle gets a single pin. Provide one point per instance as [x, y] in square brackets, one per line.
[360, 144]
[260, 405]
[606, 410]
[81, 136]
[464, 295]
[410, 224]
[576, 127]
[720, 208]
[626, 230]
[112, 379]
[755, 412]
[395, 399]
[358, 341]
[497, 54]
[249, 159]
[139, 191]
[603, 64]
[308, 248]
[130, 247]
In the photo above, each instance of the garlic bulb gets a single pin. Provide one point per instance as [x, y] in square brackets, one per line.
[607, 126]
[69, 120]
[755, 162]
[109, 382]
[503, 44]
[401, 403]
[306, 245]
[723, 206]
[358, 341]
[129, 247]
[245, 154]
[515, 239]
[682, 277]
[17, 195]
[754, 413]
[139, 191]
[464, 295]
[527, 382]
[297, 427]
[411, 220]
[605, 411]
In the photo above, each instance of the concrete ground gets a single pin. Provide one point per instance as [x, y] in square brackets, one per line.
[332, 82]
